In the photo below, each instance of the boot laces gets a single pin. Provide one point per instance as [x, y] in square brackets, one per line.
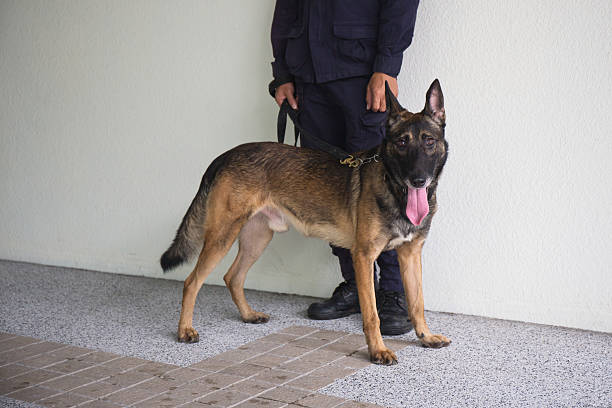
[391, 301]
[343, 288]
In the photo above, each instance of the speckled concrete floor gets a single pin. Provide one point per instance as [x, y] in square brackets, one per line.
[490, 363]
[12, 403]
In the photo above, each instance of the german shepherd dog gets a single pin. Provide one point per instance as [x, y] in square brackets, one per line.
[256, 189]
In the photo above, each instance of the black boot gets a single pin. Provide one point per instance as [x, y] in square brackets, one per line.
[344, 302]
[393, 313]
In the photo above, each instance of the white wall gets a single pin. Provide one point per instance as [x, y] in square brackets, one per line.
[111, 111]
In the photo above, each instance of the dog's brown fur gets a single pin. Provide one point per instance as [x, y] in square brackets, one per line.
[257, 189]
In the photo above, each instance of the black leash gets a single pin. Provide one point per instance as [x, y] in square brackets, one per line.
[320, 144]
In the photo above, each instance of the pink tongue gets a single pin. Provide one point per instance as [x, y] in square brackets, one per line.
[417, 206]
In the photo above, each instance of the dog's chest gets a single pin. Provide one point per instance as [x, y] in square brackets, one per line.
[401, 232]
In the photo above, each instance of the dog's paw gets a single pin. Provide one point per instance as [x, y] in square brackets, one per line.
[435, 341]
[256, 318]
[188, 335]
[383, 357]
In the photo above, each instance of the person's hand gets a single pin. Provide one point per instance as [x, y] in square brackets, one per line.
[375, 93]
[286, 91]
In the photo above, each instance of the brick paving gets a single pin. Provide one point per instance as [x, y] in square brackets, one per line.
[283, 369]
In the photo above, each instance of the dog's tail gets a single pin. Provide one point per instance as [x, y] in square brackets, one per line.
[190, 234]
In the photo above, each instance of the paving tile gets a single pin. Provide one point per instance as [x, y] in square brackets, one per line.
[32, 394]
[268, 360]
[397, 345]
[181, 376]
[159, 385]
[218, 380]
[128, 378]
[71, 352]
[344, 348]
[55, 356]
[327, 335]
[168, 399]
[99, 404]
[67, 382]
[35, 377]
[13, 356]
[358, 339]
[258, 346]
[65, 400]
[26, 352]
[154, 368]
[278, 338]
[131, 395]
[124, 363]
[362, 355]
[299, 330]
[97, 357]
[260, 403]
[43, 347]
[12, 370]
[224, 398]
[195, 389]
[235, 355]
[285, 394]
[355, 343]
[352, 362]
[311, 382]
[290, 351]
[16, 342]
[320, 401]
[244, 369]
[322, 356]
[276, 376]
[309, 342]
[98, 372]
[97, 389]
[301, 366]
[333, 371]
[70, 366]
[11, 385]
[251, 387]
[213, 364]
[6, 336]
[42, 360]
[195, 404]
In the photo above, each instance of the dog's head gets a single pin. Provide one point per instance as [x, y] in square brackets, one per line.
[414, 150]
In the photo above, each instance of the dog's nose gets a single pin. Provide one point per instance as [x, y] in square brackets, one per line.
[417, 182]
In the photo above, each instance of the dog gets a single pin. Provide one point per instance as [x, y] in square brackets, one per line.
[385, 202]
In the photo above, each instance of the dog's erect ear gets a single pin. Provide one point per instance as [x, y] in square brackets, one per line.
[434, 103]
[393, 106]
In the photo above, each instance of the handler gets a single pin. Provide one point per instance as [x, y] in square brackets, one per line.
[332, 58]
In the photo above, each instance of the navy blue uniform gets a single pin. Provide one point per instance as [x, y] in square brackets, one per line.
[324, 40]
[330, 49]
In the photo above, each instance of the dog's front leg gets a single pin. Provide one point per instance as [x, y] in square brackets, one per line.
[409, 256]
[363, 261]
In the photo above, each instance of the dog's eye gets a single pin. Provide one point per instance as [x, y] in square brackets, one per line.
[401, 144]
[429, 141]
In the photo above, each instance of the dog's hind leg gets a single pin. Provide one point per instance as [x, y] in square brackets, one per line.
[253, 239]
[220, 233]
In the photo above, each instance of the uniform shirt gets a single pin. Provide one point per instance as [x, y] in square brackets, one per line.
[324, 40]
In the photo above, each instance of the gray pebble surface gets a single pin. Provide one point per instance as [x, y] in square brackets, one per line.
[490, 362]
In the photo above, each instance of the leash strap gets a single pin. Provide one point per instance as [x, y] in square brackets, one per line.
[320, 144]
[281, 124]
